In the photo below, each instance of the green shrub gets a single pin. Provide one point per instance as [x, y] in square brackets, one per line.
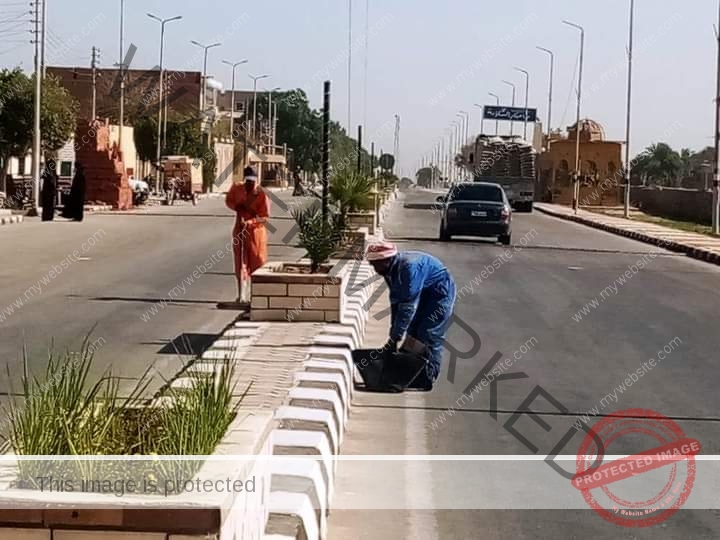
[318, 237]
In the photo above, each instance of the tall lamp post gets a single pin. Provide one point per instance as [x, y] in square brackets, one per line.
[122, 73]
[628, 165]
[550, 91]
[482, 117]
[255, 80]
[270, 115]
[204, 77]
[514, 89]
[233, 65]
[497, 122]
[527, 96]
[716, 167]
[465, 135]
[158, 154]
[576, 190]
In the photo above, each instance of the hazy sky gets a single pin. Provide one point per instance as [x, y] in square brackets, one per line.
[419, 47]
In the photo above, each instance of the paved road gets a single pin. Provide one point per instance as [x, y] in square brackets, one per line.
[534, 295]
[126, 264]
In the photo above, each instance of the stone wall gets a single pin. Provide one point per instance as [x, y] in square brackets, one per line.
[674, 203]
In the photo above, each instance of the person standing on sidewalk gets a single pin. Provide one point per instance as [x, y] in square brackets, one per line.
[422, 297]
[252, 208]
[49, 190]
[74, 208]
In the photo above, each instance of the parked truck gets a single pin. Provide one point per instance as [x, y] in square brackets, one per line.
[507, 161]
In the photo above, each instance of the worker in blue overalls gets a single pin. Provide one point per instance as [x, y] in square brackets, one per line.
[422, 296]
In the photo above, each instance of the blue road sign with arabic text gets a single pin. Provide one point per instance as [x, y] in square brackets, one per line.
[512, 114]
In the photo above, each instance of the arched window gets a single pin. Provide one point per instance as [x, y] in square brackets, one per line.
[564, 165]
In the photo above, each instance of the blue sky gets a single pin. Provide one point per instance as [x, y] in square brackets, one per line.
[419, 47]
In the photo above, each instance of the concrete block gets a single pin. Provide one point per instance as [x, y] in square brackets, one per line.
[269, 289]
[317, 352]
[259, 302]
[220, 354]
[106, 535]
[319, 398]
[25, 534]
[331, 366]
[307, 290]
[343, 330]
[309, 316]
[333, 340]
[268, 314]
[289, 442]
[322, 303]
[288, 302]
[325, 381]
[303, 477]
[292, 514]
[304, 419]
[332, 291]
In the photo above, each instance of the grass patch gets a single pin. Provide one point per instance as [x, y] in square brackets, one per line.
[66, 412]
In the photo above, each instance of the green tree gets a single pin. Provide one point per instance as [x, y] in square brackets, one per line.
[58, 118]
[659, 164]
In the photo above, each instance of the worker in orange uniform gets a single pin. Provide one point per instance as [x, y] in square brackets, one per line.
[252, 208]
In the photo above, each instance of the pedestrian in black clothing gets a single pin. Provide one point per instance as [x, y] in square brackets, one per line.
[49, 190]
[75, 204]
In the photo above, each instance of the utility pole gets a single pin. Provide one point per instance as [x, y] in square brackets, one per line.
[396, 142]
[576, 190]
[628, 166]
[325, 149]
[93, 66]
[550, 92]
[43, 39]
[359, 150]
[122, 73]
[36, 128]
[716, 175]
[349, 76]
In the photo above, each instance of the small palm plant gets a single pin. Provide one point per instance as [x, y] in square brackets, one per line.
[351, 192]
[319, 237]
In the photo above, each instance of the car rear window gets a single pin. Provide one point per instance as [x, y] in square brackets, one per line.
[477, 193]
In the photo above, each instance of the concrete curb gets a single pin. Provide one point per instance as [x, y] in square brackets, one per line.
[11, 220]
[679, 247]
[313, 417]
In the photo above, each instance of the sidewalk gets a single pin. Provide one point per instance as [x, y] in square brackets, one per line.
[697, 246]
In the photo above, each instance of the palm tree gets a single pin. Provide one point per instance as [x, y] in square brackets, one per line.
[659, 164]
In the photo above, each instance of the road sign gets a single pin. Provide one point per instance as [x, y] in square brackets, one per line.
[512, 114]
[387, 161]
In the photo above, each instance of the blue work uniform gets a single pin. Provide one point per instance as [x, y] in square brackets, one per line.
[422, 296]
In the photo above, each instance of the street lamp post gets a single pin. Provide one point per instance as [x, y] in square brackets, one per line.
[159, 149]
[466, 134]
[527, 95]
[482, 117]
[203, 90]
[497, 122]
[232, 97]
[716, 171]
[122, 73]
[628, 166]
[255, 80]
[512, 124]
[576, 190]
[550, 91]
[270, 115]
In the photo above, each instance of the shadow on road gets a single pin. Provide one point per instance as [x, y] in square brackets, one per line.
[185, 344]
[145, 300]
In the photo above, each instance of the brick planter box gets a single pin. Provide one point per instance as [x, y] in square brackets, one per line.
[282, 295]
[362, 219]
[355, 245]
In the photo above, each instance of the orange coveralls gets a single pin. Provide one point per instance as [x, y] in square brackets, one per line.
[250, 248]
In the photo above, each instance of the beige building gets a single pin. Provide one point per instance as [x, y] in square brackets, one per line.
[600, 165]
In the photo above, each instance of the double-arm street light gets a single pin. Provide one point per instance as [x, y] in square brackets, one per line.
[234, 65]
[527, 95]
[550, 91]
[576, 190]
[255, 80]
[628, 165]
[514, 89]
[497, 122]
[162, 22]
[203, 95]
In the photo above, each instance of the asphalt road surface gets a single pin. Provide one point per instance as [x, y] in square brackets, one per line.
[531, 302]
[124, 266]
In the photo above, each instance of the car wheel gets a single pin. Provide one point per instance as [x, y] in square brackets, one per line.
[505, 239]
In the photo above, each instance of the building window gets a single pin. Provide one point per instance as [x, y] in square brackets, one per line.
[66, 168]
[612, 169]
[239, 106]
[564, 165]
[21, 166]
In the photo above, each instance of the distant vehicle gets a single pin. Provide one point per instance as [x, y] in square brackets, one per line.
[510, 163]
[476, 209]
